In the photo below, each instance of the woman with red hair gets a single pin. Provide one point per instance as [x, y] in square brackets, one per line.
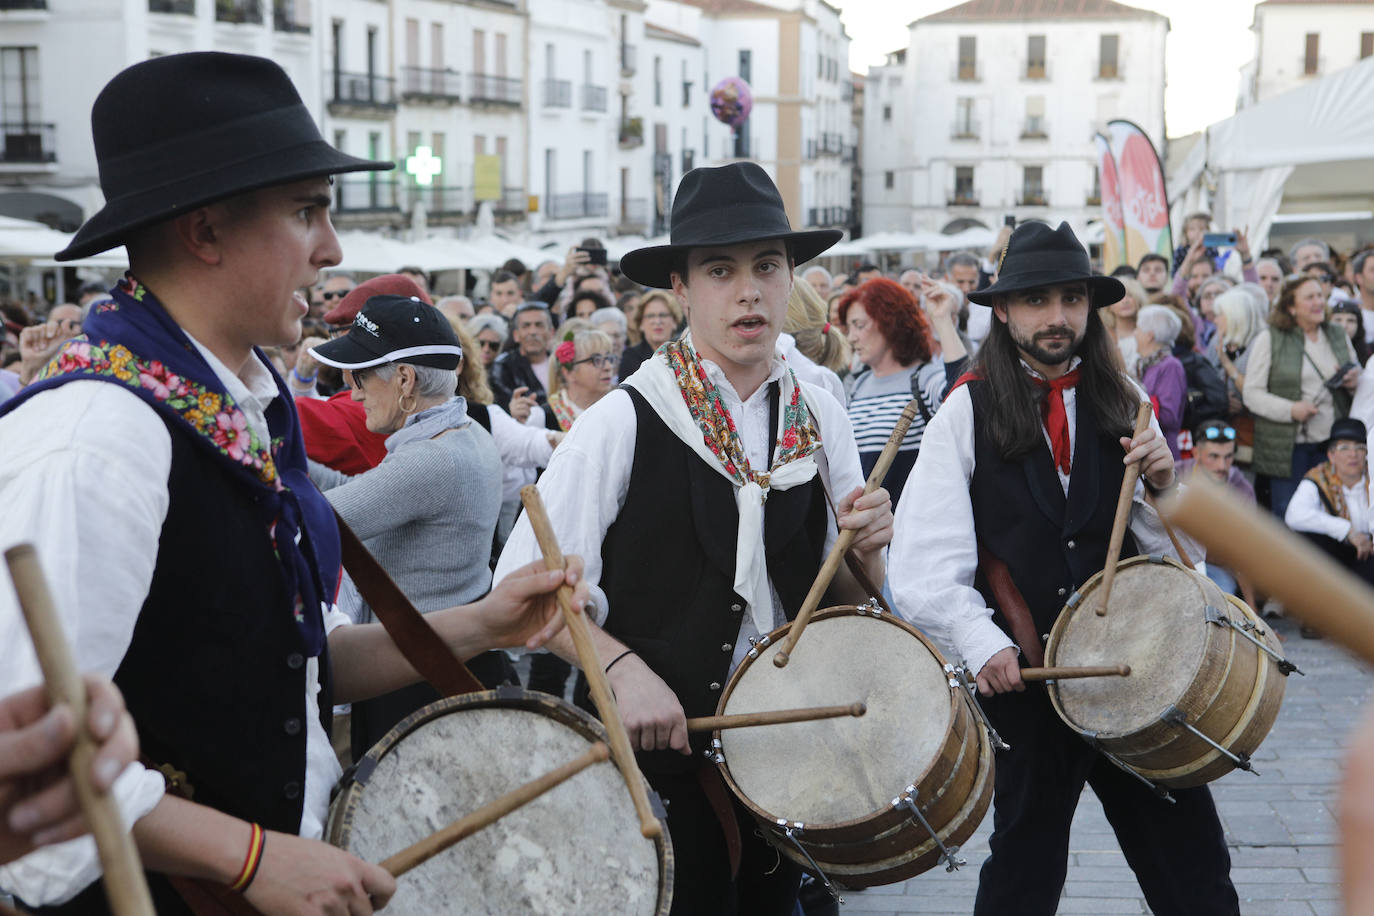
[891, 336]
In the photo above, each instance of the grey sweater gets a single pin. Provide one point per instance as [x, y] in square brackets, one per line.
[428, 511]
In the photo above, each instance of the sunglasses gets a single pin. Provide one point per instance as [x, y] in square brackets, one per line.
[600, 360]
[1214, 433]
[489, 344]
[334, 294]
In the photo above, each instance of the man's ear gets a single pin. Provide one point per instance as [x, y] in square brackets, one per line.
[201, 233]
[999, 308]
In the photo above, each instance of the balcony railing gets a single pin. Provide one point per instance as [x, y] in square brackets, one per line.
[427, 83]
[291, 16]
[557, 94]
[850, 154]
[628, 55]
[1094, 199]
[1108, 70]
[847, 91]
[1032, 197]
[965, 197]
[688, 160]
[1036, 70]
[365, 195]
[180, 7]
[441, 200]
[361, 89]
[634, 212]
[967, 71]
[513, 201]
[23, 4]
[238, 11]
[631, 133]
[494, 90]
[811, 149]
[831, 144]
[593, 98]
[28, 142]
[576, 206]
[966, 129]
[1035, 129]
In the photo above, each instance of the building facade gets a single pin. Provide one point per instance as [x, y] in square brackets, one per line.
[986, 116]
[1299, 40]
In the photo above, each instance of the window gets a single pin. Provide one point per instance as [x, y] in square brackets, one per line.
[887, 112]
[963, 185]
[1310, 61]
[436, 45]
[964, 123]
[686, 91]
[1035, 57]
[1033, 185]
[889, 180]
[412, 42]
[1035, 117]
[1366, 45]
[19, 93]
[968, 58]
[658, 82]
[1107, 68]
[746, 60]
[500, 69]
[550, 172]
[1095, 196]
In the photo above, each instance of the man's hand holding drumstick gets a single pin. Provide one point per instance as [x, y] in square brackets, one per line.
[38, 803]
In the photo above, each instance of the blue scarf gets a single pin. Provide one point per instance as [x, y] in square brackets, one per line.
[133, 342]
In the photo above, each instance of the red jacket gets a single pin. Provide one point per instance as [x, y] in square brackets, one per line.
[336, 434]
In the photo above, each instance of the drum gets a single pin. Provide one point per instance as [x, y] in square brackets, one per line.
[1206, 682]
[837, 795]
[575, 849]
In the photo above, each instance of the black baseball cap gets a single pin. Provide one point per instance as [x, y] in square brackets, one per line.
[394, 329]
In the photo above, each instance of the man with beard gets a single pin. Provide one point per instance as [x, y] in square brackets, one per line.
[1017, 485]
[1153, 273]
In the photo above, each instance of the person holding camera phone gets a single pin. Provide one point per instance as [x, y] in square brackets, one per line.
[1300, 379]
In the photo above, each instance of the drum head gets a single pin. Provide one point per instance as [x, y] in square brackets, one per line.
[836, 770]
[1157, 624]
[576, 849]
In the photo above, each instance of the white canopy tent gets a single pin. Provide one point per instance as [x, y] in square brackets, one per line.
[1314, 143]
[27, 243]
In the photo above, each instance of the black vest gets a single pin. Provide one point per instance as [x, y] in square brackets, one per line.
[668, 568]
[214, 676]
[1051, 543]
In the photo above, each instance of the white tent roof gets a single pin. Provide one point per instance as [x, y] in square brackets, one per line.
[26, 242]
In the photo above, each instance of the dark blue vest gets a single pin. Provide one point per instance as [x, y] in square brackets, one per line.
[668, 568]
[1051, 543]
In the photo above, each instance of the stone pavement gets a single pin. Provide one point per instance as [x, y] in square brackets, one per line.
[1280, 825]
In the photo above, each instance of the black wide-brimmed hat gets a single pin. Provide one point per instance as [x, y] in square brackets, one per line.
[394, 329]
[1037, 255]
[181, 131]
[730, 205]
[1347, 429]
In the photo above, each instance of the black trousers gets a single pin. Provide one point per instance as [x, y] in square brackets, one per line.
[1178, 852]
[1344, 553]
[767, 882]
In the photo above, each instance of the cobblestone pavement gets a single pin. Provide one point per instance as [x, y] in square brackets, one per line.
[1280, 825]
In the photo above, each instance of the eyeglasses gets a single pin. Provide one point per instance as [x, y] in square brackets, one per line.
[489, 344]
[1346, 448]
[600, 360]
[358, 376]
[1213, 433]
[334, 294]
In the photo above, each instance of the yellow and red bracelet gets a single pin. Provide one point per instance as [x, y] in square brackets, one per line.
[250, 862]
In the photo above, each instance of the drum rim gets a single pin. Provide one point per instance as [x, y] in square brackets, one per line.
[841, 610]
[503, 697]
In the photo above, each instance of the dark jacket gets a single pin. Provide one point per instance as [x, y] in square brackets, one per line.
[511, 371]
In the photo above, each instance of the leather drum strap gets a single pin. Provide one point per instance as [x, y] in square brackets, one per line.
[1012, 605]
[407, 627]
[718, 797]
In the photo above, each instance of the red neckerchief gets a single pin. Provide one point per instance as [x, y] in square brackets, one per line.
[1056, 419]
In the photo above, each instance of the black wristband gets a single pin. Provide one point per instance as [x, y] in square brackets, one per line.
[618, 658]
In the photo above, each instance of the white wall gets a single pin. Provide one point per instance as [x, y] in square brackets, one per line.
[1281, 43]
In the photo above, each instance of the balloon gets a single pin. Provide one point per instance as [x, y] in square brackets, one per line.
[731, 101]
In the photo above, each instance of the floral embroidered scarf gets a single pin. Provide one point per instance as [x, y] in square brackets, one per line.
[1329, 486]
[799, 434]
[133, 342]
[563, 409]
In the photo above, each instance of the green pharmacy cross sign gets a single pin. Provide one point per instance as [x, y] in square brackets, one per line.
[424, 165]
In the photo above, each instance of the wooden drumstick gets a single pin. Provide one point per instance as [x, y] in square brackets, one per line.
[778, 717]
[1123, 511]
[1058, 674]
[590, 664]
[126, 887]
[1245, 540]
[488, 814]
[845, 538]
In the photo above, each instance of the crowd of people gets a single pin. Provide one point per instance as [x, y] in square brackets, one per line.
[700, 419]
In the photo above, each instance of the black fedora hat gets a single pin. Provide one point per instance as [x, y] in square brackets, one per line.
[730, 205]
[181, 131]
[1037, 255]
[1347, 429]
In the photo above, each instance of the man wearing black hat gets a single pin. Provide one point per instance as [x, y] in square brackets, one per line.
[1008, 512]
[1331, 506]
[158, 466]
[697, 491]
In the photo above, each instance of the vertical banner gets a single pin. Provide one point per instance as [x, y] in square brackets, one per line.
[1144, 201]
[486, 178]
[1109, 186]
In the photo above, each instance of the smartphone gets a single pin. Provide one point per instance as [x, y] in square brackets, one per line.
[1219, 240]
[1009, 220]
[597, 255]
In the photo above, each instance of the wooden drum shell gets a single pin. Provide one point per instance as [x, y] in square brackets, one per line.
[883, 843]
[1227, 688]
[544, 845]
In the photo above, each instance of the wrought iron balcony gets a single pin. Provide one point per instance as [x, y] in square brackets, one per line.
[966, 129]
[291, 16]
[28, 142]
[426, 83]
[631, 133]
[557, 94]
[513, 201]
[365, 195]
[180, 7]
[238, 11]
[593, 98]
[495, 90]
[366, 90]
[628, 55]
[577, 206]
